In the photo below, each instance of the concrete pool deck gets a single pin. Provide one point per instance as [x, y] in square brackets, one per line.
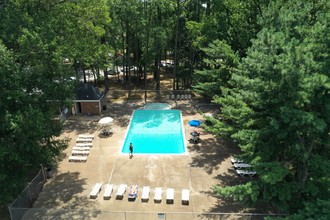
[66, 194]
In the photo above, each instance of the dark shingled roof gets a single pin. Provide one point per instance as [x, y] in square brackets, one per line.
[87, 91]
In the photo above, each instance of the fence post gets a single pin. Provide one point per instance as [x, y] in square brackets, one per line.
[43, 174]
[11, 215]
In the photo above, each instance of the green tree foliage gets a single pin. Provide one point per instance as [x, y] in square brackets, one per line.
[231, 21]
[27, 129]
[38, 36]
[277, 107]
[319, 209]
[178, 30]
[219, 66]
[142, 32]
[234, 21]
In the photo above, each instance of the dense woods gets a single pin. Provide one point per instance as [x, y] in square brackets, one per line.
[265, 64]
[276, 106]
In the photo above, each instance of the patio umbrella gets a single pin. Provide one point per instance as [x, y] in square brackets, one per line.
[194, 123]
[106, 121]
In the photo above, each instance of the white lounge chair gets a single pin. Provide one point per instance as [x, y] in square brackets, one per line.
[87, 136]
[108, 191]
[80, 152]
[145, 194]
[241, 165]
[121, 190]
[172, 96]
[170, 195]
[84, 144]
[158, 194]
[235, 160]
[167, 96]
[81, 148]
[185, 196]
[95, 191]
[77, 158]
[246, 172]
[182, 97]
[84, 140]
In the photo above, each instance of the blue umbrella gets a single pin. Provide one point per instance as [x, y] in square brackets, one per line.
[194, 123]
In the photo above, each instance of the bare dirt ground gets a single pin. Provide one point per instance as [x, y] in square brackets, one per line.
[66, 194]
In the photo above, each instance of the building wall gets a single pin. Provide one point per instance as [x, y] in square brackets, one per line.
[104, 102]
[90, 108]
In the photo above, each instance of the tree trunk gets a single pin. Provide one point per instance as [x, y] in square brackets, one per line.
[146, 53]
[176, 44]
[302, 166]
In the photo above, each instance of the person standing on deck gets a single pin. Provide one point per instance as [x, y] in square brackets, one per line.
[131, 149]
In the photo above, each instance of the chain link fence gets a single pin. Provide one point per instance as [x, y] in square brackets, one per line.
[152, 95]
[50, 214]
[175, 98]
[31, 192]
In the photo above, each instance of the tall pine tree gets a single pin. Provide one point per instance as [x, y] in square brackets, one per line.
[278, 109]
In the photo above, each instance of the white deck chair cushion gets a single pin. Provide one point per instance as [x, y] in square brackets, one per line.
[87, 136]
[95, 191]
[158, 193]
[185, 196]
[145, 193]
[121, 190]
[78, 158]
[108, 191]
[170, 195]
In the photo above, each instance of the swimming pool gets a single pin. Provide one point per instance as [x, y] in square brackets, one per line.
[155, 132]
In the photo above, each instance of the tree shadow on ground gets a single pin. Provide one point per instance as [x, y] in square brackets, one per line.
[231, 208]
[64, 191]
[231, 178]
[209, 153]
[84, 124]
[81, 124]
[121, 113]
[227, 208]
[102, 135]
[224, 205]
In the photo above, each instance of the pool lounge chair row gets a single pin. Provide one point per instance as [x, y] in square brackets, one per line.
[179, 97]
[85, 138]
[133, 193]
[79, 154]
[242, 168]
[81, 150]
[246, 172]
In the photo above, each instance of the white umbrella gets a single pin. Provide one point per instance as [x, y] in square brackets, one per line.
[106, 121]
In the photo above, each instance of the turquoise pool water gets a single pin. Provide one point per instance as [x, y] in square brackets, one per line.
[155, 132]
